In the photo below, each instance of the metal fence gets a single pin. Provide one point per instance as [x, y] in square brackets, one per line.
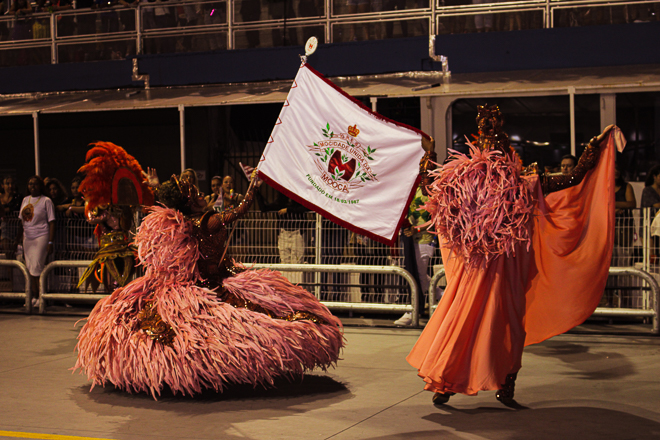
[117, 32]
[307, 240]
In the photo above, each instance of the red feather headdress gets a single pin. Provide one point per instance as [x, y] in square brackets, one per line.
[112, 176]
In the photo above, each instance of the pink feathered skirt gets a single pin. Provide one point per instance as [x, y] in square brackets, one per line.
[212, 343]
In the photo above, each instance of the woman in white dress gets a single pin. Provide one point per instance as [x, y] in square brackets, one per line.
[37, 216]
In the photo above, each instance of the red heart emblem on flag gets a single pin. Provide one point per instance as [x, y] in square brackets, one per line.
[336, 163]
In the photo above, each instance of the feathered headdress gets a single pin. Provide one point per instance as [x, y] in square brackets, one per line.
[113, 177]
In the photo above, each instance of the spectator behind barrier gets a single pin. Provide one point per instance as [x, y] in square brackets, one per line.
[74, 206]
[624, 232]
[624, 193]
[225, 198]
[21, 9]
[568, 164]
[651, 192]
[290, 241]
[37, 232]
[11, 202]
[188, 174]
[57, 193]
[422, 244]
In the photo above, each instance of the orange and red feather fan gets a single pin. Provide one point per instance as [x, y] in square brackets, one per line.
[101, 163]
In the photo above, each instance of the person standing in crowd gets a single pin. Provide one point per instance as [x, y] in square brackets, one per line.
[290, 242]
[357, 32]
[57, 193]
[21, 9]
[66, 24]
[624, 195]
[651, 192]
[651, 199]
[624, 232]
[11, 203]
[188, 174]
[191, 175]
[74, 206]
[568, 163]
[37, 214]
[9, 198]
[223, 196]
[624, 201]
[422, 245]
[215, 198]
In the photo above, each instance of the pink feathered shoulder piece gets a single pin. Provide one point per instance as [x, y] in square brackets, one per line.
[480, 205]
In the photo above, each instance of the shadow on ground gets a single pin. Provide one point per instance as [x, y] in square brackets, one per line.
[615, 366]
[310, 390]
[566, 423]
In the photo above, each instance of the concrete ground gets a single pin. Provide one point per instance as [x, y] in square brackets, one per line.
[589, 384]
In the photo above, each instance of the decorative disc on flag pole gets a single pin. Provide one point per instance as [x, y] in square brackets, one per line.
[311, 45]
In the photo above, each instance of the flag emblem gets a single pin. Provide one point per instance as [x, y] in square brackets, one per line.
[343, 163]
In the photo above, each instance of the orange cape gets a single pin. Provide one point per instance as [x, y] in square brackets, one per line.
[487, 315]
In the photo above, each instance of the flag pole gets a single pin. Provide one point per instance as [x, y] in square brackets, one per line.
[310, 47]
[233, 228]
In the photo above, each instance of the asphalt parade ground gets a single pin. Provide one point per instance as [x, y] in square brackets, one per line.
[598, 382]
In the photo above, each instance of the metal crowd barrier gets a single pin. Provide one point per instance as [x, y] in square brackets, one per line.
[652, 312]
[347, 271]
[359, 306]
[87, 298]
[28, 283]
[414, 307]
[316, 268]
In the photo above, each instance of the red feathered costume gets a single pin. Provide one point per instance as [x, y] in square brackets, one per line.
[113, 188]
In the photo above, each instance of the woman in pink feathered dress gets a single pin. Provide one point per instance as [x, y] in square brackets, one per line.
[196, 320]
[526, 258]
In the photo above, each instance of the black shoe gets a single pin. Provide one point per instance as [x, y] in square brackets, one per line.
[505, 394]
[441, 398]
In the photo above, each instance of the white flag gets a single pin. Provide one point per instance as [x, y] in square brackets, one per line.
[335, 156]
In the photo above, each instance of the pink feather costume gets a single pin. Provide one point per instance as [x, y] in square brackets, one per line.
[521, 267]
[163, 329]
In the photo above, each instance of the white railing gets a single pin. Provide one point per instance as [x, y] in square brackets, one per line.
[118, 32]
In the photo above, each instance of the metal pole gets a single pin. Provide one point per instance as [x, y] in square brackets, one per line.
[230, 24]
[138, 29]
[317, 256]
[432, 29]
[53, 45]
[646, 239]
[571, 98]
[35, 125]
[607, 109]
[328, 31]
[374, 104]
[182, 135]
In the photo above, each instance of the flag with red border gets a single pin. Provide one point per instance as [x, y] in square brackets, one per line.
[335, 156]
